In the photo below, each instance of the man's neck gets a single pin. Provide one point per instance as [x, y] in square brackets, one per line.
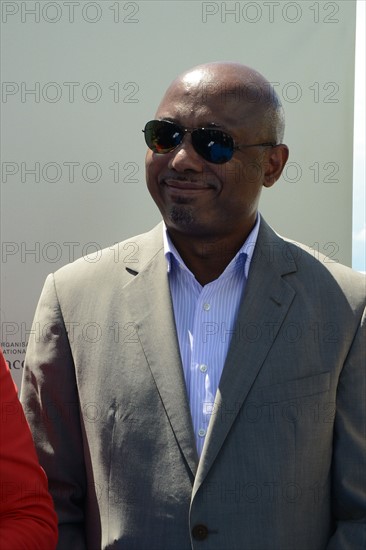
[207, 259]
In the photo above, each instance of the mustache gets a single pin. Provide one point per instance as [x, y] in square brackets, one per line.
[189, 179]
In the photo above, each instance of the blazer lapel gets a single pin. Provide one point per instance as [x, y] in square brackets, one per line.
[263, 309]
[148, 296]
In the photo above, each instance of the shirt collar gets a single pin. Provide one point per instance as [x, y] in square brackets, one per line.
[247, 248]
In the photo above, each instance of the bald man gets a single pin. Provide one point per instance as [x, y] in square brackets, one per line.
[195, 419]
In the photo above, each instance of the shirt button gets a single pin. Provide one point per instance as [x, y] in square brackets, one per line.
[206, 306]
[203, 368]
[200, 532]
[202, 432]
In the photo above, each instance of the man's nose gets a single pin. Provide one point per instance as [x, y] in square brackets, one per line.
[184, 157]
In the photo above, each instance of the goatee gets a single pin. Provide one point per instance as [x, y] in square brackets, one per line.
[181, 215]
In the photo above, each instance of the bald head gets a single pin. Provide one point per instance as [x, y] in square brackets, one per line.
[251, 97]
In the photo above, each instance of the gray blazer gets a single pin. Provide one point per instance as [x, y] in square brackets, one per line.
[283, 466]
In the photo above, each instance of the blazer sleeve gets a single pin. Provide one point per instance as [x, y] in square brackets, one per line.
[349, 451]
[27, 516]
[50, 400]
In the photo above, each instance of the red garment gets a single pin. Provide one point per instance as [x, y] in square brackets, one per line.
[27, 517]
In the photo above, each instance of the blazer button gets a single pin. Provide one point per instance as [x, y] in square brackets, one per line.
[200, 532]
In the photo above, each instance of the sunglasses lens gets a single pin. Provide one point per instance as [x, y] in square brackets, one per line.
[213, 145]
[162, 136]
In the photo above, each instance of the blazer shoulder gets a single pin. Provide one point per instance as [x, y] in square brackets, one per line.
[120, 259]
[308, 270]
[309, 258]
[328, 274]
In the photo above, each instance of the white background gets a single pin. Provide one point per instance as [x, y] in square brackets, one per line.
[137, 48]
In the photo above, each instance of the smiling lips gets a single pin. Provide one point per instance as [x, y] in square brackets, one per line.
[186, 185]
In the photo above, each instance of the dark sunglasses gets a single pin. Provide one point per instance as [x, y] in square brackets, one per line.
[216, 146]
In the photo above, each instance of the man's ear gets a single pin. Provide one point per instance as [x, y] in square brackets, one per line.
[275, 164]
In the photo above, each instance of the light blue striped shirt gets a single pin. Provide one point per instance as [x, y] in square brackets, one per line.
[205, 317]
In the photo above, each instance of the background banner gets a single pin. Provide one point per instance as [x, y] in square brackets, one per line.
[81, 78]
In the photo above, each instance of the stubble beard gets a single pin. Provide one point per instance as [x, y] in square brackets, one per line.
[181, 215]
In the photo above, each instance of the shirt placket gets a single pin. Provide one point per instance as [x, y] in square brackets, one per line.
[201, 388]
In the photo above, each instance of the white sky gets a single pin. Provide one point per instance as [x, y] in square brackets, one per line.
[359, 186]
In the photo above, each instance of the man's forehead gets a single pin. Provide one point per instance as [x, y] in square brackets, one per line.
[205, 105]
[229, 92]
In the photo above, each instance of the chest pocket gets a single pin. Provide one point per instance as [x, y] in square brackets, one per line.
[294, 389]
